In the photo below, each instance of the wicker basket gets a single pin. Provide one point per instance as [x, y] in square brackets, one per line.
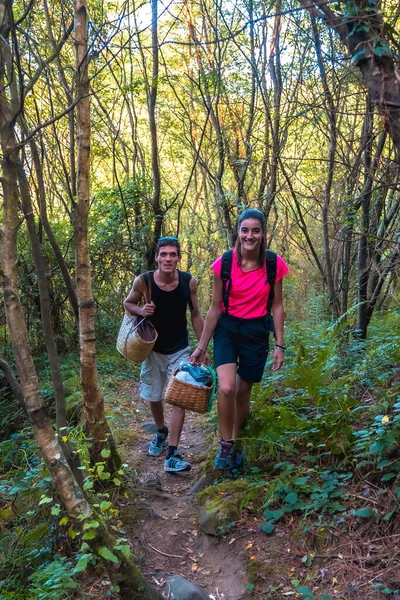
[136, 338]
[186, 395]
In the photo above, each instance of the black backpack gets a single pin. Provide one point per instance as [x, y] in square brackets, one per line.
[226, 267]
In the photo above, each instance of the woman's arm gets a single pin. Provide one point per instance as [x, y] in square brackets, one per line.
[279, 314]
[210, 322]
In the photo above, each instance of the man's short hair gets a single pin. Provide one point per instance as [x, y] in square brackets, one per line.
[168, 241]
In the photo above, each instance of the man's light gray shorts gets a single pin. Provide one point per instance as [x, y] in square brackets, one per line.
[156, 370]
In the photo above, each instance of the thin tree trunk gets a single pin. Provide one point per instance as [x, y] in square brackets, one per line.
[96, 423]
[155, 162]
[13, 383]
[331, 115]
[45, 311]
[69, 285]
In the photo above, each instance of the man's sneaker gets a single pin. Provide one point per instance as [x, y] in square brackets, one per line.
[158, 444]
[175, 464]
[224, 458]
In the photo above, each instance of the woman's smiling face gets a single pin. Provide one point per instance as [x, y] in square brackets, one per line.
[250, 234]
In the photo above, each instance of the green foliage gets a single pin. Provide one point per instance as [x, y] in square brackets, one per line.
[53, 582]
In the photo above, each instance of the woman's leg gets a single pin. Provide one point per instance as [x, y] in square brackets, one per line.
[242, 406]
[226, 398]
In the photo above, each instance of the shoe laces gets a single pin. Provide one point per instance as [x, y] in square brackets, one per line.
[226, 450]
[159, 441]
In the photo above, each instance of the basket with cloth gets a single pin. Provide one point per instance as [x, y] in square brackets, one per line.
[192, 387]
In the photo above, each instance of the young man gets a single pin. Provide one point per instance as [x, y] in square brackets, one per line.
[171, 292]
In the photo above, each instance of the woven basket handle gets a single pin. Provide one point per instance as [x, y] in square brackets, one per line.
[146, 287]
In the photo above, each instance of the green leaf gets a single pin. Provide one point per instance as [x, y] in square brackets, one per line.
[355, 58]
[301, 480]
[88, 485]
[389, 515]
[267, 528]
[305, 592]
[89, 535]
[364, 513]
[388, 476]
[107, 554]
[82, 563]
[90, 525]
[124, 549]
[116, 481]
[45, 500]
[291, 498]
[56, 510]
[105, 505]
[105, 453]
[72, 533]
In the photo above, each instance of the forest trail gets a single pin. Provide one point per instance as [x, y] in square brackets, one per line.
[171, 541]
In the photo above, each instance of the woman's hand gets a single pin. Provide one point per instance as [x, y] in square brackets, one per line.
[277, 359]
[199, 357]
[148, 309]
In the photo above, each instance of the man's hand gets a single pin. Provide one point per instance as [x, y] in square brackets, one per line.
[277, 359]
[148, 309]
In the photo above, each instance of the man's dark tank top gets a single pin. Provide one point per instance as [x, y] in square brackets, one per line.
[169, 317]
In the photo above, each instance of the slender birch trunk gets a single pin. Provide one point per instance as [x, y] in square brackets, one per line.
[96, 423]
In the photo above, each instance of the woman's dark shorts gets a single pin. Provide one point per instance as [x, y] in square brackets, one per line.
[243, 342]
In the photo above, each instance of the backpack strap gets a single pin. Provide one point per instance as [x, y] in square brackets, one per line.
[271, 260]
[226, 267]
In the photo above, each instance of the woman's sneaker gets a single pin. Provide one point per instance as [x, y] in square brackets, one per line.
[238, 461]
[224, 458]
[175, 464]
[158, 444]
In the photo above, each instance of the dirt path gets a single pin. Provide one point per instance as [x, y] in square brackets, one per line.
[170, 539]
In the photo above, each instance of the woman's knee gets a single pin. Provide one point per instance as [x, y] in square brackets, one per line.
[226, 387]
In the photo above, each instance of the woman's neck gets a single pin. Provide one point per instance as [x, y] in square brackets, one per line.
[250, 255]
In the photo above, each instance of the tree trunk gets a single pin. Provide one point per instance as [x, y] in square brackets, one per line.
[13, 383]
[49, 232]
[364, 34]
[96, 423]
[331, 116]
[155, 162]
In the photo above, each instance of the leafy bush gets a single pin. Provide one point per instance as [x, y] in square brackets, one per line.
[53, 581]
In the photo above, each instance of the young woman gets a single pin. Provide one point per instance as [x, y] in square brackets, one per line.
[241, 334]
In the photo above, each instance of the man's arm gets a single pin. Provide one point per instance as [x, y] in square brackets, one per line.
[132, 300]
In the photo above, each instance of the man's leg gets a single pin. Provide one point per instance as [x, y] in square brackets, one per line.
[175, 424]
[157, 411]
[152, 381]
[174, 462]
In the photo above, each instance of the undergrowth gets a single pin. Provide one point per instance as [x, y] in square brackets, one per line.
[328, 420]
[41, 554]
[328, 423]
